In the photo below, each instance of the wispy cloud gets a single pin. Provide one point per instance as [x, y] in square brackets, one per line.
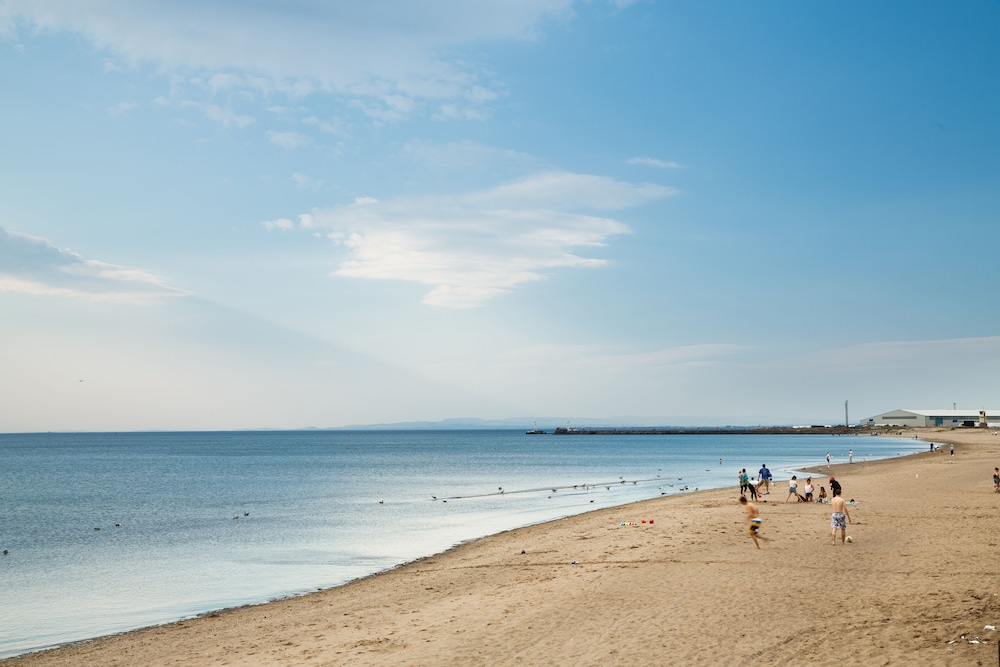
[392, 55]
[653, 162]
[30, 265]
[120, 109]
[467, 155]
[911, 354]
[592, 356]
[305, 182]
[288, 139]
[474, 247]
[227, 117]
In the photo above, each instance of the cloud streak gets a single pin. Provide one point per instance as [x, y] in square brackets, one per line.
[474, 247]
[390, 55]
[33, 266]
[653, 162]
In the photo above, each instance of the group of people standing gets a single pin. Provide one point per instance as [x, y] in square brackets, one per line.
[839, 518]
[753, 485]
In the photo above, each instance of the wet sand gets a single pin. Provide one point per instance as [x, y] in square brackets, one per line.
[918, 585]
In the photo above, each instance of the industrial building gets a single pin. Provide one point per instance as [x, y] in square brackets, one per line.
[947, 418]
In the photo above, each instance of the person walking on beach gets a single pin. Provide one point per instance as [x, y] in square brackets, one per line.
[996, 480]
[793, 489]
[952, 455]
[753, 519]
[764, 475]
[850, 456]
[839, 519]
[828, 459]
[744, 481]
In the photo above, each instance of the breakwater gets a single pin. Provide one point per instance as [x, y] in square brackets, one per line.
[721, 430]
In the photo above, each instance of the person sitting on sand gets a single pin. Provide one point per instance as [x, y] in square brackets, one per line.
[822, 495]
[809, 489]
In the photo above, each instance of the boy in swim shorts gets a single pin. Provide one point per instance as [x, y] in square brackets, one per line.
[753, 519]
[839, 518]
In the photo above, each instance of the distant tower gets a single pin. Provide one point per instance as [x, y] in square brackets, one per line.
[982, 419]
[847, 422]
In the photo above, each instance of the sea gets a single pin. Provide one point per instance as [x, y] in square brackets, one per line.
[107, 532]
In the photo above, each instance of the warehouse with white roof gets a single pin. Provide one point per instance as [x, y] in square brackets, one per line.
[953, 418]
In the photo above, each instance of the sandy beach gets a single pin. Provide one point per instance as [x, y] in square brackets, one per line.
[918, 585]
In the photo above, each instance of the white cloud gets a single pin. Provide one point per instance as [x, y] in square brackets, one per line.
[471, 248]
[288, 139]
[305, 182]
[332, 126]
[30, 265]
[283, 224]
[389, 53]
[566, 190]
[120, 109]
[466, 155]
[653, 162]
[227, 117]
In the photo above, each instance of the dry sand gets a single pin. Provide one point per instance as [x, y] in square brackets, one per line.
[917, 586]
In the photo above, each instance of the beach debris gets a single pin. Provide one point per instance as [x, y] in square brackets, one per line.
[985, 627]
[575, 562]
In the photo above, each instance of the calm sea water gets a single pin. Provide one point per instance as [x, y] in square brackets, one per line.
[109, 532]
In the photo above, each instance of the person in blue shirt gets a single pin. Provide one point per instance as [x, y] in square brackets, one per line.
[764, 475]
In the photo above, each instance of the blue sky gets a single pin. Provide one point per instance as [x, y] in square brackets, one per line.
[287, 214]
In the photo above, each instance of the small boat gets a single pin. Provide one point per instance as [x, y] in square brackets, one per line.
[535, 431]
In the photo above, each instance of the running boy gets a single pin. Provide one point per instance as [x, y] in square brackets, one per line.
[753, 519]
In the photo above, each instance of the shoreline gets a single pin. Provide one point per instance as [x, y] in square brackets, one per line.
[522, 593]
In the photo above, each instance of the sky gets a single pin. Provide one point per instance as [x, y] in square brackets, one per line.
[223, 214]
